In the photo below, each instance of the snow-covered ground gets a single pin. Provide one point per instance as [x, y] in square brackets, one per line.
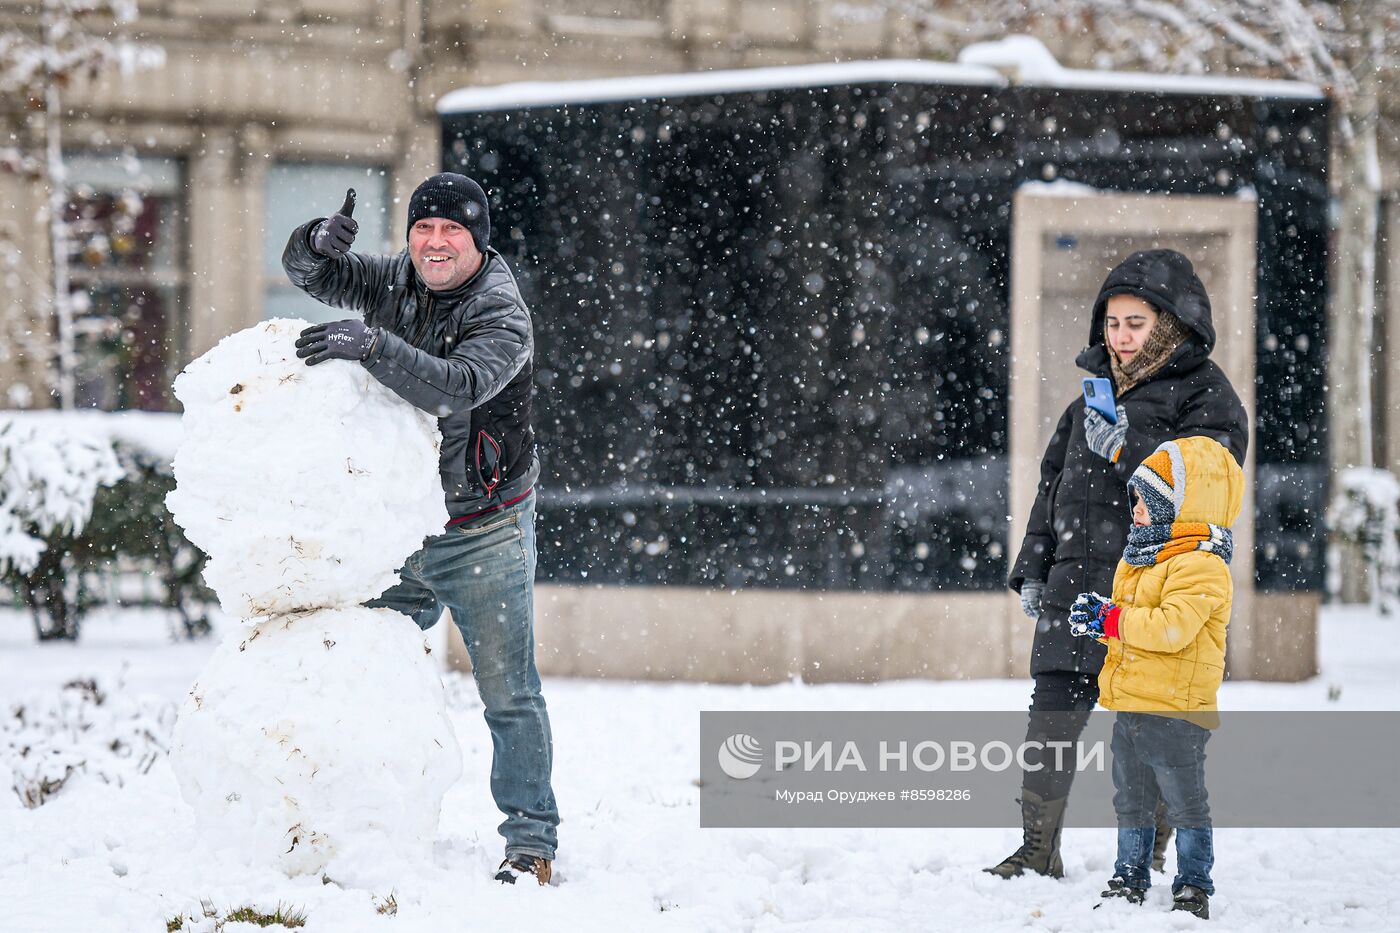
[100, 857]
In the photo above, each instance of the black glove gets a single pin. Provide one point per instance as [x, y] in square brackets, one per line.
[338, 340]
[334, 235]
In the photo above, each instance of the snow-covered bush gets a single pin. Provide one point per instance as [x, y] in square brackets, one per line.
[128, 531]
[50, 743]
[1366, 515]
[131, 530]
[50, 475]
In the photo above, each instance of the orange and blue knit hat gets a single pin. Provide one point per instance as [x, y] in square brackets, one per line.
[1160, 482]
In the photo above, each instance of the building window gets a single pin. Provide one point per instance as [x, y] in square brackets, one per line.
[617, 9]
[299, 191]
[126, 227]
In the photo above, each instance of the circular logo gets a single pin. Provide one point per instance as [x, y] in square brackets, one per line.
[740, 756]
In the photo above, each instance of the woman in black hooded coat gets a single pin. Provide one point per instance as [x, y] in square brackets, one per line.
[1152, 335]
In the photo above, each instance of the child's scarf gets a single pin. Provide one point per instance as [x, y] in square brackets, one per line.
[1152, 544]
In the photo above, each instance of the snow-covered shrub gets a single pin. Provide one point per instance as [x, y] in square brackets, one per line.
[50, 474]
[127, 532]
[132, 530]
[84, 733]
[1366, 514]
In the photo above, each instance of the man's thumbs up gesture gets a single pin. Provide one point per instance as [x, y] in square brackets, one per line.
[334, 235]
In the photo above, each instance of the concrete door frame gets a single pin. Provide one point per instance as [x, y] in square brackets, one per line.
[1041, 210]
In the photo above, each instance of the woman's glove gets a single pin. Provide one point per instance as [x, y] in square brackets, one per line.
[1106, 439]
[1031, 591]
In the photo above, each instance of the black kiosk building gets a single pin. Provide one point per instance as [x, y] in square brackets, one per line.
[775, 309]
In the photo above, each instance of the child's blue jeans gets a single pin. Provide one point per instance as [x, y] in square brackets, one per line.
[1163, 755]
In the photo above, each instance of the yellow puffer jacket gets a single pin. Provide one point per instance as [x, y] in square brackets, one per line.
[1170, 653]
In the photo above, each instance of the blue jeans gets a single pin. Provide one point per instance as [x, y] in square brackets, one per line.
[483, 570]
[1163, 755]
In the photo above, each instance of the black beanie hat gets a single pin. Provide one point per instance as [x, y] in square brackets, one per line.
[453, 197]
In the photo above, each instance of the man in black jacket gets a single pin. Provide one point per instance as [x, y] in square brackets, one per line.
[1152, 335]
[445, 328]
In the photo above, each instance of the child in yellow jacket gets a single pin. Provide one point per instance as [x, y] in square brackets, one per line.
[1165, 633]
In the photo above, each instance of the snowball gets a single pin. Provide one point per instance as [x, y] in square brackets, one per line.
[307, 486]
[319, 743]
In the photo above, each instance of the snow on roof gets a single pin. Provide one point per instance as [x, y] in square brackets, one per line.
[651, 87]
[1024, 59]
[1063, 188]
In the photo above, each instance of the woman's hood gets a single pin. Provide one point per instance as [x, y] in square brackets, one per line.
[1165, 279]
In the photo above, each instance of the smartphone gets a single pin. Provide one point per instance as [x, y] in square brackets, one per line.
[1098, 395]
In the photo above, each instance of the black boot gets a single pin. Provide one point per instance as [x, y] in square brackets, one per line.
[1117, 887]
[1040, 846]
[1192, 900]
[1162, 839]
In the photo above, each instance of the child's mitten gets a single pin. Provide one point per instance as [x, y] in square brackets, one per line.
[1093, 615]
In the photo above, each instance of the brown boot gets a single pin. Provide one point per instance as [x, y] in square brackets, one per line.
[524, 866]
[1042, 821]
[1162, 839]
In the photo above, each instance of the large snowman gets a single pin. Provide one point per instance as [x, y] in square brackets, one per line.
[317, 738]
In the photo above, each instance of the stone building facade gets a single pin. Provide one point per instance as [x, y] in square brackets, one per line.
[266, 110]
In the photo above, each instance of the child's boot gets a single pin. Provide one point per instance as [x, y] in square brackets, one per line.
[1119, 887]
[1192, 900]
